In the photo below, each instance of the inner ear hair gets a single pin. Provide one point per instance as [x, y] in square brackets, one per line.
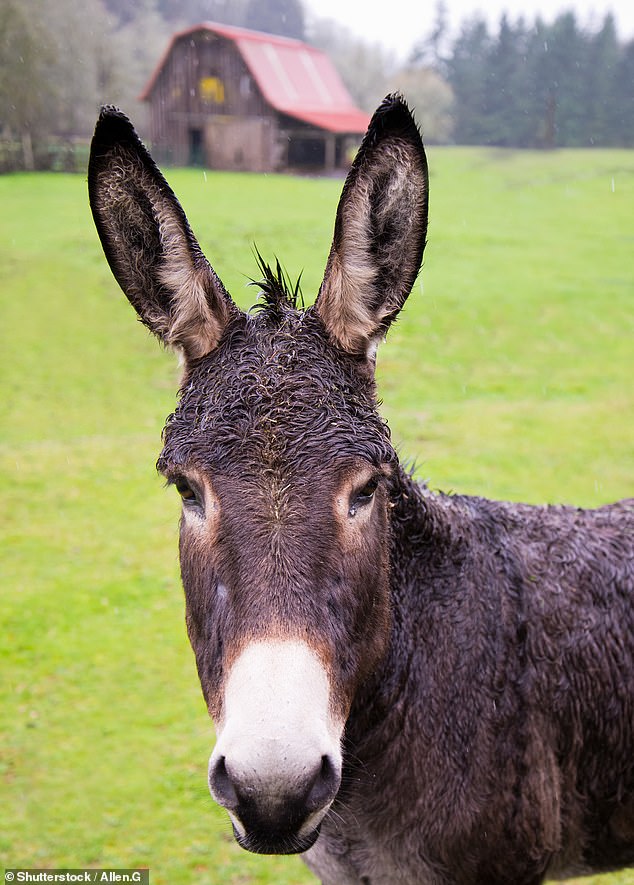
[380, 232]
[149, 244]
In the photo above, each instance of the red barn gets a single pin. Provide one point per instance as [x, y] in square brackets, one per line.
[230, 98]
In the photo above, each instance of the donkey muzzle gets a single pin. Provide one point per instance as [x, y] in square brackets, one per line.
[276, 766]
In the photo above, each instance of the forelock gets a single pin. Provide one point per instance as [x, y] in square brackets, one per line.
[277, 392]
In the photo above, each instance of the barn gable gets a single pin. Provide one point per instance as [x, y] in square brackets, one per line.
[231, 98]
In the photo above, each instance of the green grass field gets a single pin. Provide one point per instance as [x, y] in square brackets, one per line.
[509, 375]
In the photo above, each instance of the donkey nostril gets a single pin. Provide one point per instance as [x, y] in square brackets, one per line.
[221, 785]
[325, 785]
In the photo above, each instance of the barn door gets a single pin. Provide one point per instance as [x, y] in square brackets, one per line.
[196, 148]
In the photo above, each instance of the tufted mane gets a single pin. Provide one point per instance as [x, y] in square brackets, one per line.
[276, 289]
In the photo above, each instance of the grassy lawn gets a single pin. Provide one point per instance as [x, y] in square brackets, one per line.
[509, 375]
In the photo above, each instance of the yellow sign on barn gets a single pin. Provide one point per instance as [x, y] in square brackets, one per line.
[212, 89]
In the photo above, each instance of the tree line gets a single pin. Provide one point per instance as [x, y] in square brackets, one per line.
[541, 85]
[521, 85]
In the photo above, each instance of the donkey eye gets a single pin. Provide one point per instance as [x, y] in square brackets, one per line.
[185, 490]
[364, 495]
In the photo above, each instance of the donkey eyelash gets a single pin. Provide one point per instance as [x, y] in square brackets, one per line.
[187, 491]
[364, 495]
[184, 489]
[368, 490]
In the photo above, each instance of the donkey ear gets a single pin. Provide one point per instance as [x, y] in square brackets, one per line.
[380, 232]
[149, 244]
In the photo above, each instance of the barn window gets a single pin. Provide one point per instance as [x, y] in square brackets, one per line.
[245, 86]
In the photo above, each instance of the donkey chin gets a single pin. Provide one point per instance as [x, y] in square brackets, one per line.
[276, 766]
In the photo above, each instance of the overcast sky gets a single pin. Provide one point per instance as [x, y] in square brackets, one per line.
[397, 24]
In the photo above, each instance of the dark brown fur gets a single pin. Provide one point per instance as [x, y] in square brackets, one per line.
[482, 652]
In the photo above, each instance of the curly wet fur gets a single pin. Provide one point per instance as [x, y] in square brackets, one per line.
[503, 717]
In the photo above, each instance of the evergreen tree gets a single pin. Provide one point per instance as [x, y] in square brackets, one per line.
[566, 62]
[504, 86]
[540, 88]
[622, 116]
[467, 69]
[601, 85]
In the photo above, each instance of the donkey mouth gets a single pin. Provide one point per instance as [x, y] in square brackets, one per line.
[261, 842]
[285, 830]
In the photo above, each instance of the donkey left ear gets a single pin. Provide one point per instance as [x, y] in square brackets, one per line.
[148, 242]
[380, 232]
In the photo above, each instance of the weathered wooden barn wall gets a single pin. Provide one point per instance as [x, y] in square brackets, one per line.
[205, 108]
[242, 143]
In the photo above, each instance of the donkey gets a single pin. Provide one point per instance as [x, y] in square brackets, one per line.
[407, 687]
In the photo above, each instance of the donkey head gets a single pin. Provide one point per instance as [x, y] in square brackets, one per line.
[283, 464]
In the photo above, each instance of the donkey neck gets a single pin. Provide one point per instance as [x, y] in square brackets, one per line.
[429, 548]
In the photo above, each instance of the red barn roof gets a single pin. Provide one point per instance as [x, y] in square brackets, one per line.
[295, 79]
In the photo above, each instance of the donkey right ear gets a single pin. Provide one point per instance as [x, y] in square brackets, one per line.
[380, 232]
[148, 242]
